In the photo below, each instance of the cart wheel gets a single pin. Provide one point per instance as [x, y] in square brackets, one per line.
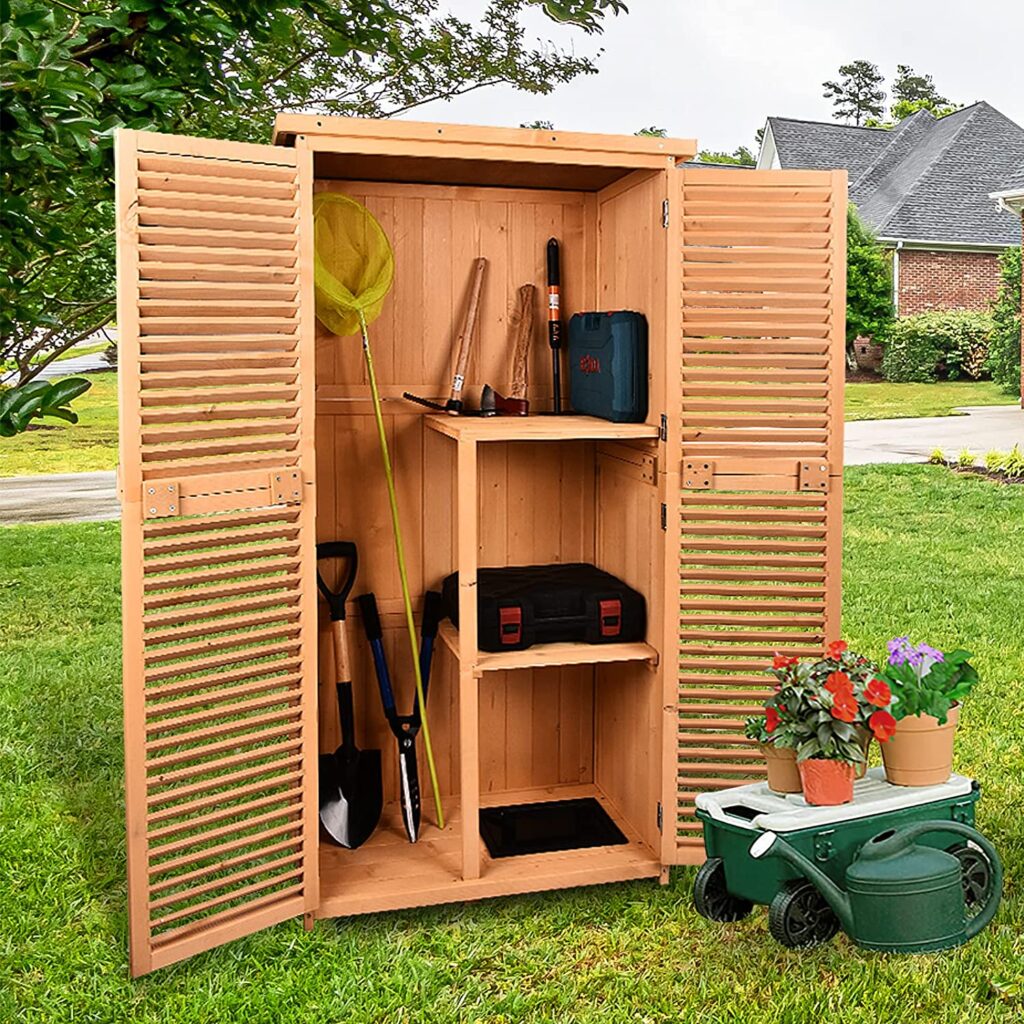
[975, 873]
[798, 916]
[712, 899]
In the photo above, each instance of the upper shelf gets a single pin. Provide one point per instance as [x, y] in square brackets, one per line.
[538, 428]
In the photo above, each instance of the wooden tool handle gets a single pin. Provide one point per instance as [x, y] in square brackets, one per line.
[521, 330]
[464, 341]
[342, 671]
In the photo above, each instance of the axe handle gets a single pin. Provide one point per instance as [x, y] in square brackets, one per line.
[522, 336]
[464, 341]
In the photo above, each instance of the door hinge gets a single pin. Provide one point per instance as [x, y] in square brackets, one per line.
[664, 516]
[663, 432]
[660, 816]
[664, 213]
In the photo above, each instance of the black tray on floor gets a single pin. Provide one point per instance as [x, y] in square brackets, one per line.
[548, 826]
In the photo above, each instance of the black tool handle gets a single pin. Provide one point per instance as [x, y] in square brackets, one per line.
[433, 613]
[555, 321]
[371, 617]
[375, 634]
[336, 599]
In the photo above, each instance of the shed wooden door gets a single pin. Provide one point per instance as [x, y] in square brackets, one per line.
[754, 518]
[215, 319]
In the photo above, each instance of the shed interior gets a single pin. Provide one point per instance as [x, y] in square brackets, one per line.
[555, 721]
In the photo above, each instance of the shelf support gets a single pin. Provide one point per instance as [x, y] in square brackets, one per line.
[469, 698]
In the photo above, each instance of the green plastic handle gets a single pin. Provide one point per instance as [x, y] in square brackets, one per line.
[985, 915]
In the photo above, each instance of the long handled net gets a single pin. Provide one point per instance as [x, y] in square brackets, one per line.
[354, 269]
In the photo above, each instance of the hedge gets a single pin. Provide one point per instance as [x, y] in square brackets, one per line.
[939, 345]
[1004, 347]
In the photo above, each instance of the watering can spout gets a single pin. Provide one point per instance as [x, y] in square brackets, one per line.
[770, 845]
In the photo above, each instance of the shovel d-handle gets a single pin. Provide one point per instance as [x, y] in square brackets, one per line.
[902, 837]
[344, 549]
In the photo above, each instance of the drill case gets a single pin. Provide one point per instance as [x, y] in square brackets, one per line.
[608, 365]
[522, 605]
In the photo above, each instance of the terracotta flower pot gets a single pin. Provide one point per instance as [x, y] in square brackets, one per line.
[783, 775]
[826, 783]
[920, 752]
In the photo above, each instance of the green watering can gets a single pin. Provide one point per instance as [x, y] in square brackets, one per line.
[899, 896]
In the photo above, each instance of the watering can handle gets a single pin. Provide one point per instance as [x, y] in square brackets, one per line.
[985, 915]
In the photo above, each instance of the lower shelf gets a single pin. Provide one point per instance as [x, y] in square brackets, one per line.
[390, 873]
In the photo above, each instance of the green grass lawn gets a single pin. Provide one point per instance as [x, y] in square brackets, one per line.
[927, 552]
[52, 446]
[883, 401]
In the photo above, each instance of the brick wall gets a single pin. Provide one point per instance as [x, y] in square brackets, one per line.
[946, 280]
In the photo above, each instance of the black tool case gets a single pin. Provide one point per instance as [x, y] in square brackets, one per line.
[522, 605]
[608, 365]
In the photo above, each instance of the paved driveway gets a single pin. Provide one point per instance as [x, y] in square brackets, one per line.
[67, 497]
[913, 440]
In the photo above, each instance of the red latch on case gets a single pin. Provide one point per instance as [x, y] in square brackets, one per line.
[511, 620]
[611, 617]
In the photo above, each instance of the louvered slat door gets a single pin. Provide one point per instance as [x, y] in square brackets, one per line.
[759, 425]
[216, 473]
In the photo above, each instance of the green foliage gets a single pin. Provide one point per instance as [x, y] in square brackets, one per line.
[937, 457]
[1013, 464]
[654, 132]
[966, 458]
[922, 685]
[39, 398]
[869, 307]
[741, 156]
[994, 461]
[912, 92]
[754, 729]
[857, 94]
[938, 345]
[1004, 345]
[73, 72]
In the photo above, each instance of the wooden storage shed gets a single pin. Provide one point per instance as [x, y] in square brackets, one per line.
[247, 435]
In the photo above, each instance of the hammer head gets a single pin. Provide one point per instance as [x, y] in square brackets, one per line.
[494, 404]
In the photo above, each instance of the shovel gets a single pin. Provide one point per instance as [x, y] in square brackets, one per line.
[351, 787]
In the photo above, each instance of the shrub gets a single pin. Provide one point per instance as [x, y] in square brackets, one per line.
[1013, 464]
[965, 460]
[937, 457]
[939, 345]
[1004, 346]
[994, 461]
[869, 308]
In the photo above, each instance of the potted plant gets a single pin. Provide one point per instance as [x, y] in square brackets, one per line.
[927, 686]
[835, 705]
[774, 741]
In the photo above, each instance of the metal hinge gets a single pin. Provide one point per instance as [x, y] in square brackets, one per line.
[664, 516]
[663, 432]
[664, 213]
[660, 816]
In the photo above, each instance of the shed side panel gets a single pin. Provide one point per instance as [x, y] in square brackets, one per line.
[219, 601]
[757, 525]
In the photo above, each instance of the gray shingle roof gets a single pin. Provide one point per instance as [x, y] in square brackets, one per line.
[929, 179]
[1015, 183]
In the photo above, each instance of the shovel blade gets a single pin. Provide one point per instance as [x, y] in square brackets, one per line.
[351, 795]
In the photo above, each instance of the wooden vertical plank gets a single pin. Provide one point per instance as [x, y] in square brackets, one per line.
[130, 482]
[469, 698]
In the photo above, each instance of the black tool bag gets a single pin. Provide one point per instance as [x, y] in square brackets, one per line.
[522, 605]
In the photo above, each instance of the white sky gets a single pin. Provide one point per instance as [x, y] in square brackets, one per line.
[714, 69]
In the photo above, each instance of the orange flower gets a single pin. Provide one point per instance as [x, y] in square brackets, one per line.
[845, 707]
[838, 683]
[883, 725]
[877, 692]
[782, 661]
[771, 719]
[836, 648]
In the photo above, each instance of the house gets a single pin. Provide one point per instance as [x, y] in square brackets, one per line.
[1011, 198]
[924, 187]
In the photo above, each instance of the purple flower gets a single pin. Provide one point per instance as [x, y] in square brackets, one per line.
[930, 652]
[901, 650]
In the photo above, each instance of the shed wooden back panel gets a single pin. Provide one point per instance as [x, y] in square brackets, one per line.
[216, 376]
[759, 420]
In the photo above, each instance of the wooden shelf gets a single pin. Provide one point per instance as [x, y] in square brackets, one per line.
[538, 428]
[390, 873]
[546, 655]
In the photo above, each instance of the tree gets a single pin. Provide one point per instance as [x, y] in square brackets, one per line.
[741, 156]
[858, 93]
[912, 92]
[654, 132]
[75, 71]
[869, 305]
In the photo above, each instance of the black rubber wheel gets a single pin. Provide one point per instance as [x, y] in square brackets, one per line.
[798, 916]
[712, 899]
[975, 874]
